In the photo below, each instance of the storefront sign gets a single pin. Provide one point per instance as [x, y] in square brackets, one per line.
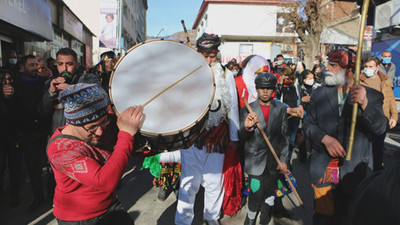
[32, 16]
[72, 25]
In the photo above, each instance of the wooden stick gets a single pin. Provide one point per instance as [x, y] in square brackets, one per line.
[274, 153]
[170, 86]
[357, 78]
[186, 32]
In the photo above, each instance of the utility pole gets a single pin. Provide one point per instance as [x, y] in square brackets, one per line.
[121, 4]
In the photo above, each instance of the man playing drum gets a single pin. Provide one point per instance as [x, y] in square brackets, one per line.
[202, 163]
[87, 166]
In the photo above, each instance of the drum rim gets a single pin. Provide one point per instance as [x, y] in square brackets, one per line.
[151, 134]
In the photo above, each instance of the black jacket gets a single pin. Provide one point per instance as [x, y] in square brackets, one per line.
[323, 118]
[257, 154]
[24, 105]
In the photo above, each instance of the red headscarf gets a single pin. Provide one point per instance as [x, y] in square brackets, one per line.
[345, 58]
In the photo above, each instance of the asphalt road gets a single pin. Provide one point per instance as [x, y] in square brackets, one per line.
[139, 197]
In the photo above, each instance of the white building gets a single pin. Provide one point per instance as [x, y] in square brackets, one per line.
[248, 27]
[133, 21]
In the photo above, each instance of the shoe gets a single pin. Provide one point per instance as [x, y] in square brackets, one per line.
[249, 221]
[162, 194]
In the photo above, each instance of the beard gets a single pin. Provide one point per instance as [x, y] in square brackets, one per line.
[337, 79]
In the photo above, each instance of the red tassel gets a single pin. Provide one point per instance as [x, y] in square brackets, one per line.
[232, 183]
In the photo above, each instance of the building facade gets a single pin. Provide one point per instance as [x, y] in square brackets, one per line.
[133, 28]
[248, 27]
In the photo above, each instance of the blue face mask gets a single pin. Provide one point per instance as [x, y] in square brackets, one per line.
[386, 60]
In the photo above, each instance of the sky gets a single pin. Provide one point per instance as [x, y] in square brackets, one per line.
[164, 16]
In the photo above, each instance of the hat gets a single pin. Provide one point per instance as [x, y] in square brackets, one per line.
[83, 103]
[265, 80]
[344, 57]
[106, 55]
[208, 43]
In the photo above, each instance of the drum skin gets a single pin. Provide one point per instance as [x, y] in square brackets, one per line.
[175, 118]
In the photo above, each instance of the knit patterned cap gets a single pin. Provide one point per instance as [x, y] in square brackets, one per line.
[83, 103]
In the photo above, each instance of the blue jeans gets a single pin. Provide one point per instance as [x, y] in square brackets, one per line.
[115, 215]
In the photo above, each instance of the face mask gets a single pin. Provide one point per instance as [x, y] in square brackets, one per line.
[235, 73]
[316, 62]
[369, 72]
[309, 82]
[12, 61]
[319, 74]
[386, 60]
[280, 62]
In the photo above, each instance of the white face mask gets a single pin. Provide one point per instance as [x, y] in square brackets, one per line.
[280, 62]
[316, 62]
[13, 61]
[369, 72]
[309, 82]
[235, 73]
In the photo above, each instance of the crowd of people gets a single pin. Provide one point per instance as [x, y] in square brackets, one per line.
[56, 117]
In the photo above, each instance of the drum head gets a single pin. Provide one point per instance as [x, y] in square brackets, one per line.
[149, 68]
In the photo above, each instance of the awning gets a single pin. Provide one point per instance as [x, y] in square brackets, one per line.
[33, 16]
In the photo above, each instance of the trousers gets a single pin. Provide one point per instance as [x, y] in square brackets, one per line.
[200, 168]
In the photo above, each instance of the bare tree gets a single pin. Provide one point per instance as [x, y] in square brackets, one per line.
[307, 17]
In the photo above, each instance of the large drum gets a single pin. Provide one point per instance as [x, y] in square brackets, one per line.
[175, 118]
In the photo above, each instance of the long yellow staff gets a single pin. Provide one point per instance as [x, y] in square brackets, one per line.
[186, 32]
[273, 153]
[357, 77]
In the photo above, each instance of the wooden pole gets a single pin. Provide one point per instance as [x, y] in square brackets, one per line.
[274, 153]
[357, 78]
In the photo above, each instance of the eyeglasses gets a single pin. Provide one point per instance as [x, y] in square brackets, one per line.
[94, 128]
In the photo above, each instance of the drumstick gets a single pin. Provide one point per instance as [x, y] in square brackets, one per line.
[273, 152]
[170, 86]
[186, 32]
